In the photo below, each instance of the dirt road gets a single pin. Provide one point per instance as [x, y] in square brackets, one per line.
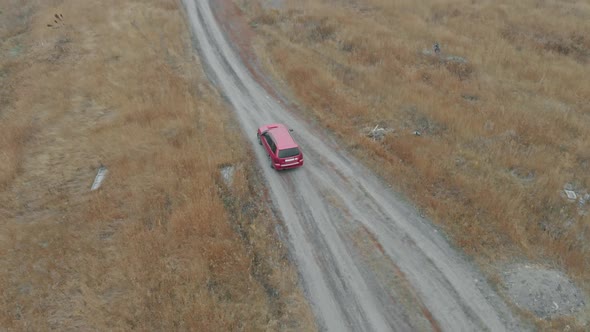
[368, 261]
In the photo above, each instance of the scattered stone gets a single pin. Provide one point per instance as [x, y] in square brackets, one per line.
[447, 58]
[546, 293]
[574, 193]
[470, 97]
[417, 133]
[571, 195]
[510, 135]
[25, 288]
[377, 133]
[416, 120]
[100, 176]
[521, 174]
[455, 59]
[556, 228]
[436, 48]
[582, 201]
[460, 161]
[106, 235]
[227, 173]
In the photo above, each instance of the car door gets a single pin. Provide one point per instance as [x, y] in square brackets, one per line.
[271, 147]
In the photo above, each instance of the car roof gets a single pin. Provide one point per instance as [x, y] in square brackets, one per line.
[281, 135]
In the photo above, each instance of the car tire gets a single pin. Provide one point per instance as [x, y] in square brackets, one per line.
[270, 162]
[259, 141]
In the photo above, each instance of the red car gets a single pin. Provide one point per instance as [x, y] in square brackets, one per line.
[282, 150]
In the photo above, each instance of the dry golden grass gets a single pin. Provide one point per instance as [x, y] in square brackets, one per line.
[165, 244]
[490, 169]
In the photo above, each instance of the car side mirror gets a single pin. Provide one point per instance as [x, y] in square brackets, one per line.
[290, 130]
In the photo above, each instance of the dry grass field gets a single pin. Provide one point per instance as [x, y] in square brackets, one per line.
[501, 135]
[165, 244]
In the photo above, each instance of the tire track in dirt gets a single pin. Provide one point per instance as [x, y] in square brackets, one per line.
[345, 290]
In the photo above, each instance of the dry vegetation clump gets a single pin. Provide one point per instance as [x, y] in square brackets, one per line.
[166, 243]
[501, 133]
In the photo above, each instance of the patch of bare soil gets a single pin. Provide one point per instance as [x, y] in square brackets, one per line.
[545, 292]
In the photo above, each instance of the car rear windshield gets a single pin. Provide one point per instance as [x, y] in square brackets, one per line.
[286, 153]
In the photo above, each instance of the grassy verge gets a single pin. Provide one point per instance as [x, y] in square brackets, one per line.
[501, 134]
[167, 243]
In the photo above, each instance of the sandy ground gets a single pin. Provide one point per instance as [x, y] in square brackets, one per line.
[368, 261]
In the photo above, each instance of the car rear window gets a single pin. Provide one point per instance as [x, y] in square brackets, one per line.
[286, 153]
